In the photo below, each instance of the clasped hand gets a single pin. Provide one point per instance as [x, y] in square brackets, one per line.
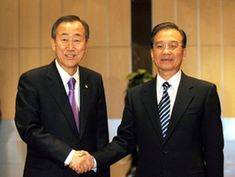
[81, 162]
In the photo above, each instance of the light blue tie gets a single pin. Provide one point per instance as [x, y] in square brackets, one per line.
[164, 109]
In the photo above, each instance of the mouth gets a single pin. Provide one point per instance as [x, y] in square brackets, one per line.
[70, 55]
[166, 59]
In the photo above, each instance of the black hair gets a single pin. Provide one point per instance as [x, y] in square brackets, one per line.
[166, 26]
[69, 18]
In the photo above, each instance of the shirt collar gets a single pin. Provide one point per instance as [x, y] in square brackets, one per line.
[173, 81]
[64, 75]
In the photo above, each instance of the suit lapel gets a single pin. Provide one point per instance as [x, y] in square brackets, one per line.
[85, 92]
[57, 90]
[150, 102]
[183, 98]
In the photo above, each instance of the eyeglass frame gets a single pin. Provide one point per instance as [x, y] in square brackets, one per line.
[165, 45]
[65, 41]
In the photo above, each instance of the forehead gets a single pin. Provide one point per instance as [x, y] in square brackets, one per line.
[168, 35]
[71, 28]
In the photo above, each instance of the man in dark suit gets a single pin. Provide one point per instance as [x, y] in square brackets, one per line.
[176, 127]
[54, 127]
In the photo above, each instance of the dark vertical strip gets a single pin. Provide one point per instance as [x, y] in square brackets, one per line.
[140, 34]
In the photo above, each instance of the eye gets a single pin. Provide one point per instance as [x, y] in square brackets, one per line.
[159, 46]
[64, 39]
[172, 45]
[76, 40]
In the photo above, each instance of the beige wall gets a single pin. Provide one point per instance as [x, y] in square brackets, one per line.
[25, 44]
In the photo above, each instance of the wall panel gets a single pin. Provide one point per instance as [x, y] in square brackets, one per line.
[29, 20]
[46, 56]
[74, 7]
[119, 23]
[211, 66]
[9, 24]
[228, 22]
[187, 19]
[50, 11]
[97, 17]
[9, 69]
[119, 67]
[229, 82]
[210, 22]
[228, 61]
[29, 58]
[190, 62]
[162, 10]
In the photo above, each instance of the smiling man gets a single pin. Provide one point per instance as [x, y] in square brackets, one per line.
[61, 108]
[174, 120]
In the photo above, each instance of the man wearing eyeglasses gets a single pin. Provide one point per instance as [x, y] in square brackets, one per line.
[174, 120]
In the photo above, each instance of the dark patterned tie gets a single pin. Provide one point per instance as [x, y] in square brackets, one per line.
[164, 109]
[71, 95]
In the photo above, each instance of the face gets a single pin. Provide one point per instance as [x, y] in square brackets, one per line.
[70, 45]
[167, 52]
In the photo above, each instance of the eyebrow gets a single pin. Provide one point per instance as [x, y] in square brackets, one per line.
[166, 41]
[77, 34]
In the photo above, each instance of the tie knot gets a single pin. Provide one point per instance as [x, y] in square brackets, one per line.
[165, 85]
[71, 83]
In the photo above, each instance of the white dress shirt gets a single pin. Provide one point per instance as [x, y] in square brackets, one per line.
[65, 78]
[172, 90]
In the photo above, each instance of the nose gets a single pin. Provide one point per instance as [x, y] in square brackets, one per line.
[70, 45]
[166, 50]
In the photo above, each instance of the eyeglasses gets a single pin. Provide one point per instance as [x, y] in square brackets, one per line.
[170, 45]
[66, 41]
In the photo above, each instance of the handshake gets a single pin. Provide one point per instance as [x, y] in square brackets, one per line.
[82, 162]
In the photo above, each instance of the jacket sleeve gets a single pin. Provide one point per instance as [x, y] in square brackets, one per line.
[122, 144]
[213, 141]
[102, 135]
[27, 120]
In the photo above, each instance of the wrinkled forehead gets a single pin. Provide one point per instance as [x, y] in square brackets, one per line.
[168, 35]
[71, 28]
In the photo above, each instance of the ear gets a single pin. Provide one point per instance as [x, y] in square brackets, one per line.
[86, 45]
[184, 54]
[53, 44]
[151, 53]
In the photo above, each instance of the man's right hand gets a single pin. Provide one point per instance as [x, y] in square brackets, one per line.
[81, 162]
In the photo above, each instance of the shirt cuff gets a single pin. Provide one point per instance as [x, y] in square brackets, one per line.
[69, 158]
[95, 166]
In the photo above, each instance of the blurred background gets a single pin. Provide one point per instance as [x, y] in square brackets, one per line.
[119, 45]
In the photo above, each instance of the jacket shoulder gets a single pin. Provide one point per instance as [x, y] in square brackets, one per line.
[35, 72]
[87, 71]
[149, 85]
[198, 82]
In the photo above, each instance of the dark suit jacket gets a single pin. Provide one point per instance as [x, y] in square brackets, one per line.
[193, 146]
[45, 120]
